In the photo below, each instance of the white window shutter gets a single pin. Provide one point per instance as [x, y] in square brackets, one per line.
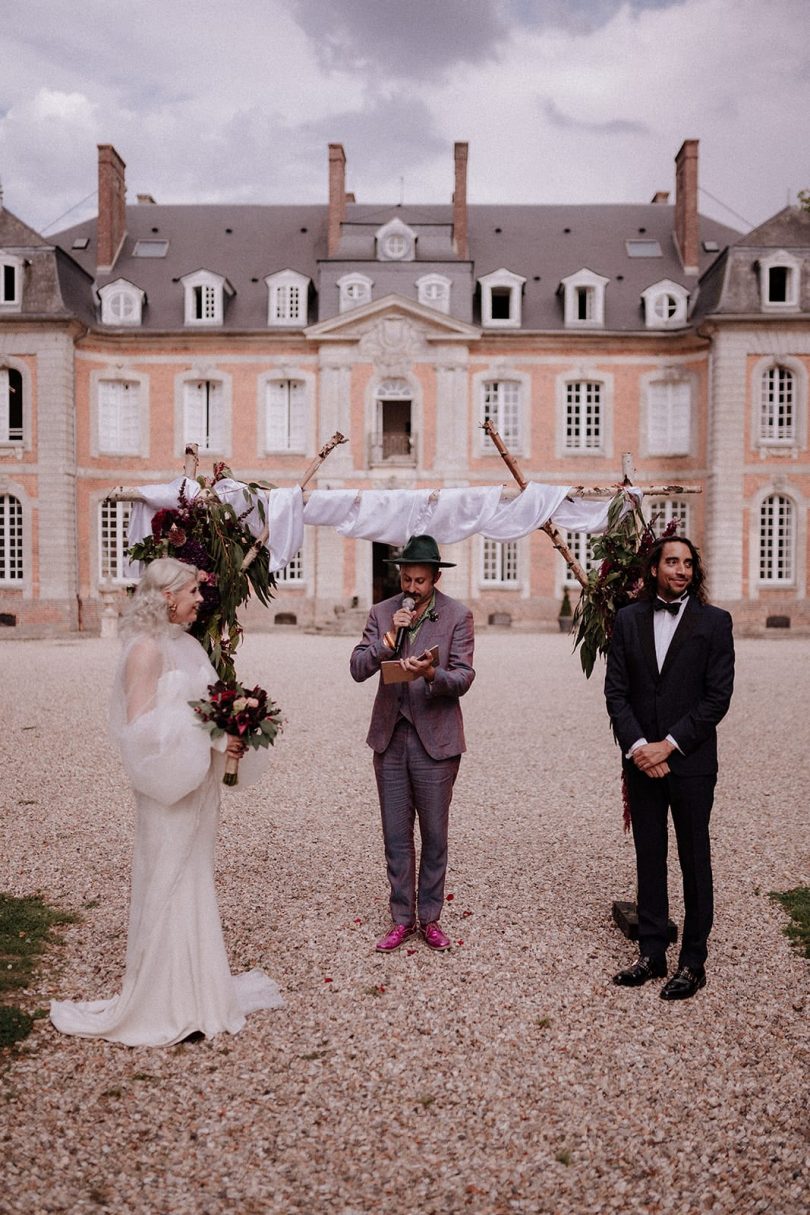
[108, 416]
[277, 419]
[216, 417]
[658, 418]
[680, 437]
[298, 421]
[194, 430]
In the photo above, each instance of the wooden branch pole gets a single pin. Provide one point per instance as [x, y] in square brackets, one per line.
[309, 473]
[549, 528]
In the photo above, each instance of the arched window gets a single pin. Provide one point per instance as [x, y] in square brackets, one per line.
[777, 415]
[394, 441]
[777, 540]
[11, 405]
[11, 539]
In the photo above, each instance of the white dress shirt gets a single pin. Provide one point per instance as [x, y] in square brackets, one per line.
[664, 626]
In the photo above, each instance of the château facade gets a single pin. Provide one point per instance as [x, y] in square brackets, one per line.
[258, 331]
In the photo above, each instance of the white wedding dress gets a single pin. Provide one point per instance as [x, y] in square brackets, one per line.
[177, 980]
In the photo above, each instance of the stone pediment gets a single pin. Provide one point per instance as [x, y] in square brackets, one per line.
[393, 323]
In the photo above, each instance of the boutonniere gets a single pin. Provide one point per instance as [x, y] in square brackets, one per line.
[432, 616]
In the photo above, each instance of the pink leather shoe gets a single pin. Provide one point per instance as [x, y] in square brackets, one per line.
[395, 937]
[434, 937]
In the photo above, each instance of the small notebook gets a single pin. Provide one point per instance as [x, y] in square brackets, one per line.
[392, 672]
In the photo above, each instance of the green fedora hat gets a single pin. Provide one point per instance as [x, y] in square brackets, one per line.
[420, 550]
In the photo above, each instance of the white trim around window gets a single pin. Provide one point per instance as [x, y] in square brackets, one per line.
[504, 395]
[16, 554]
[204, 294]
[780, 282]
[665, 305]
[584, 398]
[584, 299]
[203, 411]
[779, 405]
[11, 282]
[395, 242]
[499, 564]
[667, 415]
[285, 411]
[15, 404]
[287, 299]
[121, 303]
[777, 549]
[433, 290]
[111, 528]
[293, 575]
[119, 412]
[501, 299]
[355, 290]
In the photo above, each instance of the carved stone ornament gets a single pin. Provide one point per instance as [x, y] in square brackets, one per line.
[392, 344]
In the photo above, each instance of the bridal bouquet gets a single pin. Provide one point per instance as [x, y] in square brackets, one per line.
[244, 713]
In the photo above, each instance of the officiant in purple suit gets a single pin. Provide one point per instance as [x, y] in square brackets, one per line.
[417, 733]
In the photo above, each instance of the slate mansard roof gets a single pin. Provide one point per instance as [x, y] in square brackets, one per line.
[245, 243]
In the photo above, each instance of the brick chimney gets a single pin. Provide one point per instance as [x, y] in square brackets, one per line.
[460, 241]
[112, 206]
[337, 195]
[687, 229]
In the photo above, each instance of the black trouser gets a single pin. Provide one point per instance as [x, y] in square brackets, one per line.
[690, 799]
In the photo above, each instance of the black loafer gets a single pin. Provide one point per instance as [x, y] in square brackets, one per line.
[683, 984]
[644, 970]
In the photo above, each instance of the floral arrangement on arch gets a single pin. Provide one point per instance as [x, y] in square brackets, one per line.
[207, 532]
[619, 578]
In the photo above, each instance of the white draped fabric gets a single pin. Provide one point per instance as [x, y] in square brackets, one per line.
[176, 980]
[390, 516]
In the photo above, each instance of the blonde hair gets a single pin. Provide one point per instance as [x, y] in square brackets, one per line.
[148, 610]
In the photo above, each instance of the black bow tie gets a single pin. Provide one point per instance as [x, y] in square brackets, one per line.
[661, 605]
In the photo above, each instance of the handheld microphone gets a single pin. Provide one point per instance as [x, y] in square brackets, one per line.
[408, 603]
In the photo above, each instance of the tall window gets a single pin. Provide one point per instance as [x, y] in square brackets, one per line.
[204, 297]
[10, 277]
[11, 405]
[293, 572]
[204, 414]
[288, 295]
[11, 539]
[583, 415]
[663, 511]
[581, 546]
[777, 539]
[113, 522]
[119, 417]
[669, 409]
[286, 416]
[205, 302]
[499, 563]
[502, 406]
[777, 416]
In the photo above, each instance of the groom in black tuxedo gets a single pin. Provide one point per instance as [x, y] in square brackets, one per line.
[670, 675]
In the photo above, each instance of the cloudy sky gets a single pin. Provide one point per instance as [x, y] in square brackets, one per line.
[560, 100]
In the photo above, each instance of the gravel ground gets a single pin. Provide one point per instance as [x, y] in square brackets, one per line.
[508, 1076]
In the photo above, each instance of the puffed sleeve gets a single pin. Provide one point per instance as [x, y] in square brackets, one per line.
[165, 752]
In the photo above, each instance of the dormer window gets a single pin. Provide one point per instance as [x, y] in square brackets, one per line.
[501, 299]
[434, 291]
[288, 294]
[779, 278]
[584, 299]
[205, 294]
[355, 289]
[11, 269]
[396, 242]
[665, 305]
[121, 303]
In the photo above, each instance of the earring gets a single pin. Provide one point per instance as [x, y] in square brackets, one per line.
[172, 610]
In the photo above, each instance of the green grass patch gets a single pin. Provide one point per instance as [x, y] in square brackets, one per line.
[796, 903]
[25, 931]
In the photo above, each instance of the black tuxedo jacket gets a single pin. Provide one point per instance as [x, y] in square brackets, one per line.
[690, 694]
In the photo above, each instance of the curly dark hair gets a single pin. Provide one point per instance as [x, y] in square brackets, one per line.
[697, 586]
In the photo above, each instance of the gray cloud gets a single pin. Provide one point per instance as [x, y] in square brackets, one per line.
[612, 126]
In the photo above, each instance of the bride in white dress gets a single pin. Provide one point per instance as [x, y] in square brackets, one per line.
[177, 981]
